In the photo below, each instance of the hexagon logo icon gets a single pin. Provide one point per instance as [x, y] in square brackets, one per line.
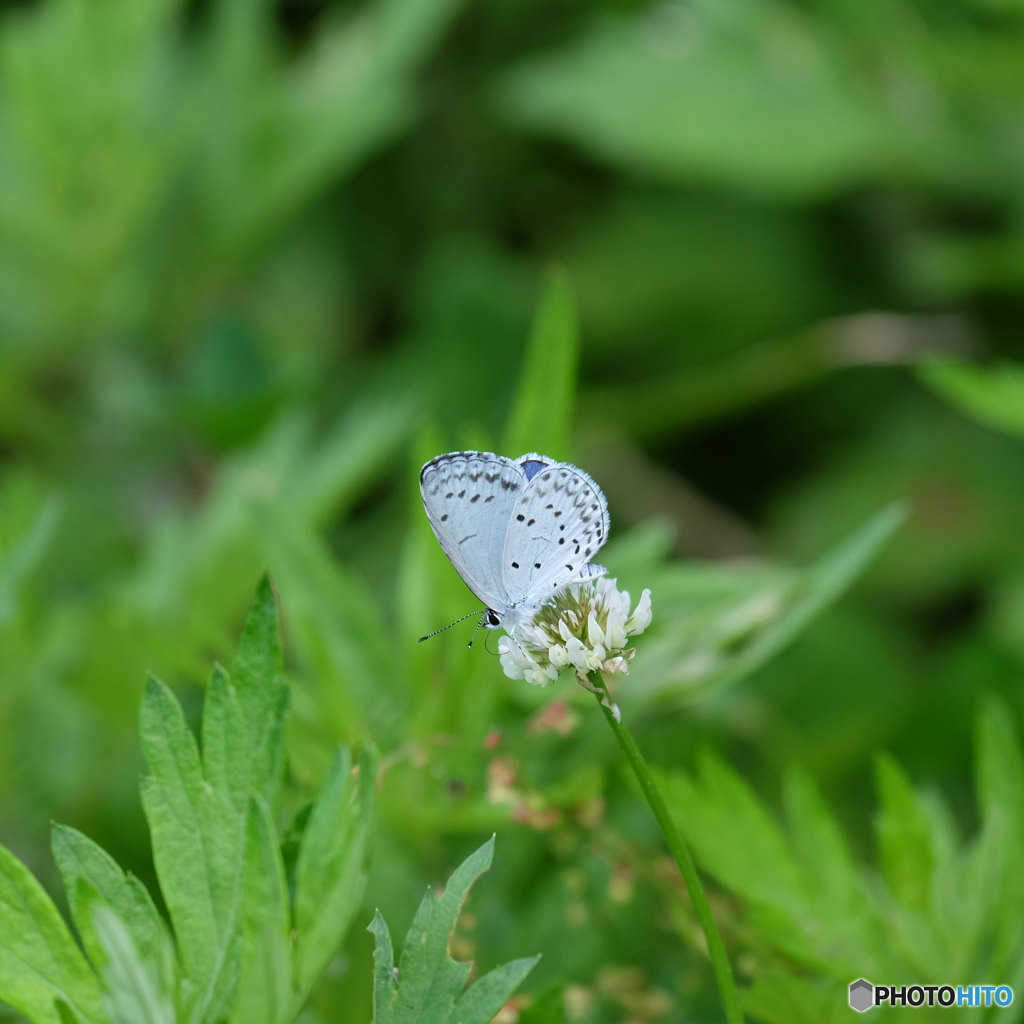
[862, 995]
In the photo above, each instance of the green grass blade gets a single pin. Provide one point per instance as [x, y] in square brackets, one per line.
[993, 395]
[20, 554]
[543, 412]
[731, 620]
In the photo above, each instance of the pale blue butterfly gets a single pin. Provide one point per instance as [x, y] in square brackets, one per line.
[517, 530]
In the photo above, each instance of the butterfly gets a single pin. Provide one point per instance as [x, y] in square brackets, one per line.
[516, 530]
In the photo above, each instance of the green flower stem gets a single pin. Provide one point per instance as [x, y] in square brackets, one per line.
[679, 850]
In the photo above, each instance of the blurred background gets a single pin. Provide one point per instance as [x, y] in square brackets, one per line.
[259, 259]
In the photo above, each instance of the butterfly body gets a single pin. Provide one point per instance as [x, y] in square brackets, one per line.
[516, 530]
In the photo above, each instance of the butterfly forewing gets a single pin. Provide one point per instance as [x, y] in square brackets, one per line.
[469, 497]
[557, 524]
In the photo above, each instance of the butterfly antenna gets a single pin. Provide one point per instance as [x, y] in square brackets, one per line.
[455, 623]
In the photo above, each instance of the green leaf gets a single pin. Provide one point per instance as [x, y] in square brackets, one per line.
[817, 921]
[780, 999]
[22, 544]
[843, 925]
[330, 874]
[385, 978]
[729, 829]
[200, 823]
[1000, 767]
[685, 94]
[904, 837]
[908, 858]
[828, 868]
[336, 628]
[489, 993]
[1000, 787]
[244, 714]
[309, 125]
[727, 621]
[40, 965]
[265, 991]
[543, 412]
[90, 873]
[198, 848]
[428, 983]
[138, 987]
[993, 395]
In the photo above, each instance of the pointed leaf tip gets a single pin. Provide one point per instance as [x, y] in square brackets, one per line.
[428, 984]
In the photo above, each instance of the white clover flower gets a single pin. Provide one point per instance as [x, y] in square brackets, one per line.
[585, 626]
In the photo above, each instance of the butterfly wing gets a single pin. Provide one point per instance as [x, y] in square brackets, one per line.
[558, 521]
[469, 497]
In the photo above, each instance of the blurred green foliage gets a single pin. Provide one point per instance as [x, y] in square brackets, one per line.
[260, 260]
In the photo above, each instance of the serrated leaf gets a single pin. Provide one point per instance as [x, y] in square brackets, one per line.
[543, 409]
[999, 766]
[89, 872]
[428, 983]
[265, 990]
[729, 829]
[385, 981]
[947, 911]
[198, 848]
[993, 395]
[904, 837]
[138, 987]
[843, 925]
[489, 993]
[40, 964]
[969, 895]
[199, 814]
[244, 713]
[330, 875]
[828, 868]
[1000, 786]
[780, 999]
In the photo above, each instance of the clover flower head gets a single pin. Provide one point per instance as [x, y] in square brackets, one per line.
[585, 626]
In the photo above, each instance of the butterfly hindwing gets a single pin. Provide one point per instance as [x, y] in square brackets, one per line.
[558, 522]
[469, 498]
